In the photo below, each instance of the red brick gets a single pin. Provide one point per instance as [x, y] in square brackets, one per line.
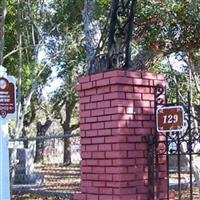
[160, 77]
[78, 87]
[148, 124]
[148, 111]
[142, 82]
[92, 162]
[103, 90]
[121, 88]
[92, 177]
[104, 118]
[104, 132]
[120, 102]
[98, 170]
[84, 79]
[142, 117]
[115, 110]
[134, 124]
[90, 92]
[98, 140]
[92, 190]
[141, 146]
[85, 114]
[96, 98]
[135, 154]
[86, 169]
[105, 197]
[82, 120]
[142, 131]
[133, 96]
[85, 141]
[123, 146]
[135, 169]
[114, 95]
[117, 184]
[83, 134]
[142, 161]
[105, 190]
[122, 131]
[82, 107]
[103, 104]
[139, 89]
[114, 73]
[80, 196]
[105, 177]
[123, 162]
[130, 110]
[142, 189]
[98, 76]
[85, 127]
[91, 119]
[116, 139]
[124, 191]
[92, 148]
[105, 147]
[86, 183]
[84, 100]
[86, 155]
[102, 82]
[92, 197]
[142, 104]
[98, 155]
[122, 117]
[99, 183]
[121, 80]
[116, 154]
[91, 133]
[133, 74]
[86, 86]
[106, 162]
[98, 125]
[115, 124]
[134, 138]
[97, 112]
[116, 170]
[82, 93]
[123, 177]
[148, 96]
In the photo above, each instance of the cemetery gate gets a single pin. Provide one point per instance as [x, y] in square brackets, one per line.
[179, 148]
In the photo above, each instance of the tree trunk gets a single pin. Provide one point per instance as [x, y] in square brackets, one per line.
[41, 131]
[2, 25]
[67, 148]
[92, 31]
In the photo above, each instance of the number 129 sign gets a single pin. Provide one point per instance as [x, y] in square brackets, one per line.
[170, 118]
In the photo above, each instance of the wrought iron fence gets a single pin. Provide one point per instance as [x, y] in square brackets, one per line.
[39, 171]
[180, 150]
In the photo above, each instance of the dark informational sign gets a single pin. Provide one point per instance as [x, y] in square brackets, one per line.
[7, 97]
[170, 118]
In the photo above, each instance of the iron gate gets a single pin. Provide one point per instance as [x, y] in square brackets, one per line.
[180, 151]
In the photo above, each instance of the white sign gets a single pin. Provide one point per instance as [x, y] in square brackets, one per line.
[7, 112]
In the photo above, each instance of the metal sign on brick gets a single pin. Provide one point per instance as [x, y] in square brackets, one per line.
[170, 118]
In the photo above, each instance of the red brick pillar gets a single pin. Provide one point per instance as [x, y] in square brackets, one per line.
[117, 110]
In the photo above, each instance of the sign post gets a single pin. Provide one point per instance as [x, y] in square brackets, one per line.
[7, 112]
[170, 118]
